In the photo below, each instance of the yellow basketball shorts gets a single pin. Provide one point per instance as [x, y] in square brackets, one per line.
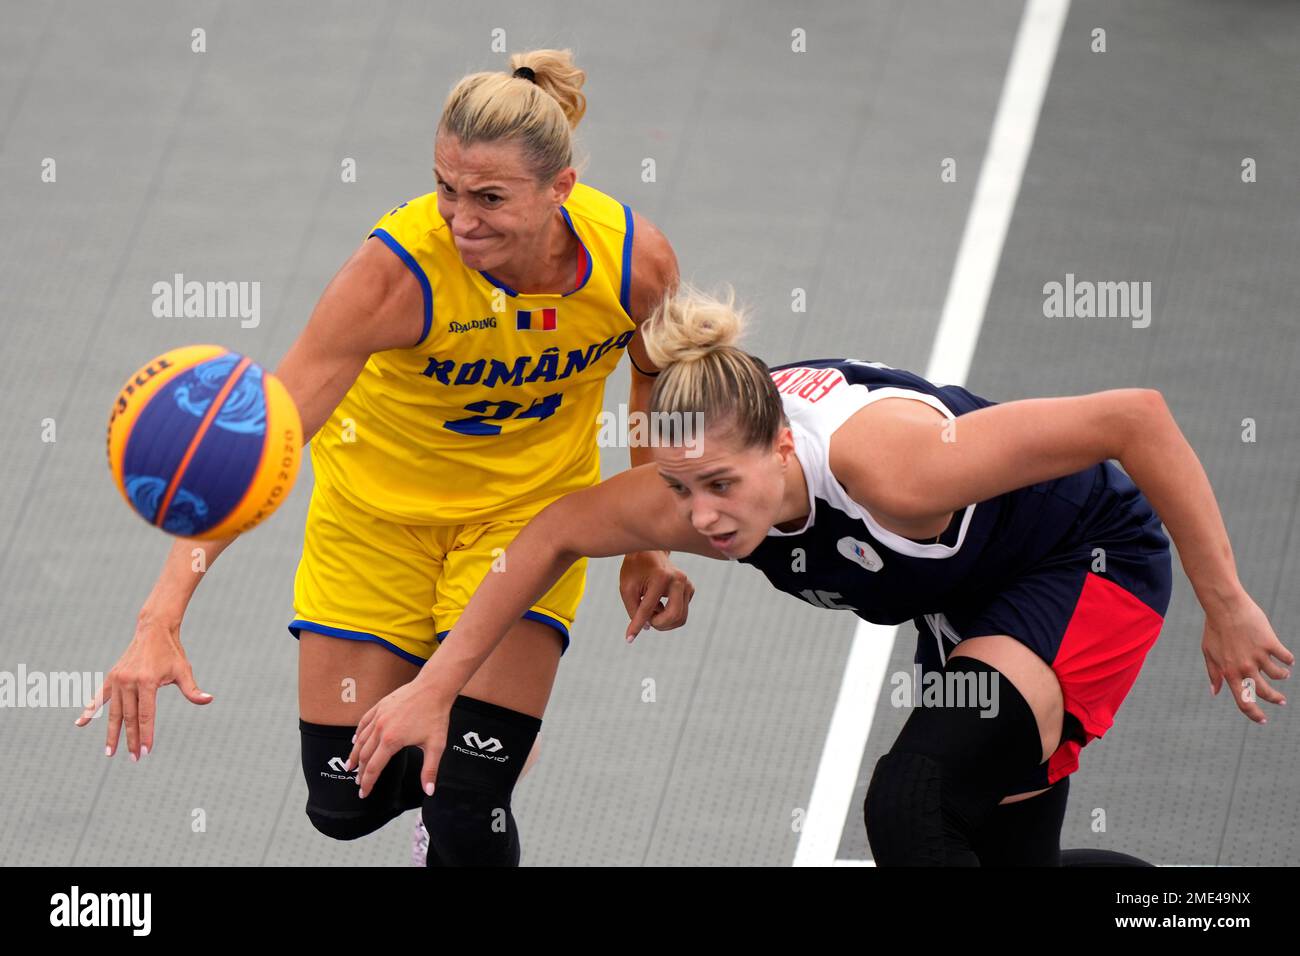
[404, 586]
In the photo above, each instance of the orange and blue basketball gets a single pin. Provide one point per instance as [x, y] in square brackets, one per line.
[204, 443]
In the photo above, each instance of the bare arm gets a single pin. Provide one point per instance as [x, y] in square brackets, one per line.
[1238, 641]
[1164, 466]
[654, 274]
[648, 578]
[633, 511]
[950, 464]
[994, 450]
[372, 304]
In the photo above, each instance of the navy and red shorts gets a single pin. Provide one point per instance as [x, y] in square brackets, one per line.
[1092, 611]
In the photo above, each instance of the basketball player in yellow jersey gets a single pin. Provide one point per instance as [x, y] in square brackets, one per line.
[449, 380]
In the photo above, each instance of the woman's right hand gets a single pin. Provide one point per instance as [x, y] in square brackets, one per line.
[154, 659]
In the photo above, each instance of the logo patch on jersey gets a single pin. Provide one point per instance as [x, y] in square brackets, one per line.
[489, 323]
[812, 384]
[536, 320]
[859, 552]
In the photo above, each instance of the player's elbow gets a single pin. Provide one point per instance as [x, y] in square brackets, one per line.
[1142, 413]
[1152, 406]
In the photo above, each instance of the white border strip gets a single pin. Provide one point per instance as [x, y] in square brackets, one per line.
[1013, 132]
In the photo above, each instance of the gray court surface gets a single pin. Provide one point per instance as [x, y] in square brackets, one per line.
[775, 171]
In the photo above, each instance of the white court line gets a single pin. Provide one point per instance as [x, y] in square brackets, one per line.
[837, 773]
[1014, 126]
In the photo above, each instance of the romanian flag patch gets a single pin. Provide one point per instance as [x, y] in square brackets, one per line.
[535, 320]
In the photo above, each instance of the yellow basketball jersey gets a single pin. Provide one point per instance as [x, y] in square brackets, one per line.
[494, 413]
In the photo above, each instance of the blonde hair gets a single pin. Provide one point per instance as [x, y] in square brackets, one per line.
[692, 337]
[540, 114]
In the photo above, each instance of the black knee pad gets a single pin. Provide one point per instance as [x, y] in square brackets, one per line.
[468, 817]
[904, 812]
[1025, 833]
[333, 804]
[946, 772]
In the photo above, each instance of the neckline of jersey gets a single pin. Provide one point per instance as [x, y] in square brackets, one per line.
[584, 255]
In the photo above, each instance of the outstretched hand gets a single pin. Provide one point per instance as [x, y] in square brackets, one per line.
[1239, 646]
[152, 660]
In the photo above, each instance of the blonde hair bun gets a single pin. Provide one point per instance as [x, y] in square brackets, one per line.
[690, 323]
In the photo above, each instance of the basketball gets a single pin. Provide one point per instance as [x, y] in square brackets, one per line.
[203, 442]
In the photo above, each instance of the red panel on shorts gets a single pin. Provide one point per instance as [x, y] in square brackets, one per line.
[1101, 653]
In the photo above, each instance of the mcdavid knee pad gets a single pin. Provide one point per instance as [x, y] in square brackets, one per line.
[468, 817]
[333, 805]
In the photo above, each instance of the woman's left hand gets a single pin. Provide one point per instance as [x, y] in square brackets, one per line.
[646, 577]
[1239, 645]
[412, 714]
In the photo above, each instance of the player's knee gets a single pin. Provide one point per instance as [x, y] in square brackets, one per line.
[919, 814]
[905, 811]
[334, 806]
[469, 827]
[468, 817]
[945, 774]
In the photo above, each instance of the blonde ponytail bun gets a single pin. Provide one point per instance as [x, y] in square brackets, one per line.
[689, 324]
